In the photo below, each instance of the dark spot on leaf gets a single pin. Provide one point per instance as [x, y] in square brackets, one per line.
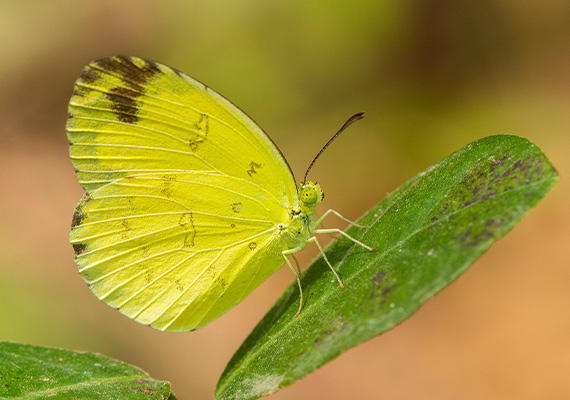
[474, 238]
[378, 278]
[498, 162]
[465, 235]
[143, 388]
[332, 328]
[496, 222]
[489, 179]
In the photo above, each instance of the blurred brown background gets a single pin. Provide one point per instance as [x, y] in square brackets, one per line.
[431, 76]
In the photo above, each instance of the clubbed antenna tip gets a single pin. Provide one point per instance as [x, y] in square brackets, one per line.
[352, 119]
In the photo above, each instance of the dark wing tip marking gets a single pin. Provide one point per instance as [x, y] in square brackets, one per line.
[124, 104]
[126, 68]
[89, 75]
[134, 74]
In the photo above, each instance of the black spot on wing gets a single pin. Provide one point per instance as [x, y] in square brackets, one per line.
[80, 214]
[202, 129]
[78, 217]
[237, 207]
[253, 167]
[79, 248]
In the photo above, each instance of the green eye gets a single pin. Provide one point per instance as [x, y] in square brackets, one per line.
[310, 193]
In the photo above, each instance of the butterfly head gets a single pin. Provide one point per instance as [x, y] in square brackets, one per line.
[310, 194]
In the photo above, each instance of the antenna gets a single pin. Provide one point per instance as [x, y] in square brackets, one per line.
[352, 119]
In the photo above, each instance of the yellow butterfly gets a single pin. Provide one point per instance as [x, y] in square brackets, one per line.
[189, 205]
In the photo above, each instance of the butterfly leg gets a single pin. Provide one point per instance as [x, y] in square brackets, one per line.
[320, 220]
[346, 235]
[314, 239]
[321, 225]
[297, 273]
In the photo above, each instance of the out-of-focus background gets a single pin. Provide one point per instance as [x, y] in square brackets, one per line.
[431, 76]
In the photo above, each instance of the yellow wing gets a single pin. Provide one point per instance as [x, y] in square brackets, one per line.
[177, 250]
[129, 116]
[184, 193]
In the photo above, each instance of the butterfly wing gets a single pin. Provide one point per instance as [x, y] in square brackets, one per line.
[175, 250]
[184, 193]
[129, 116]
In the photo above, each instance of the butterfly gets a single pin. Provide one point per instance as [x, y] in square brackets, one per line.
[189, 205]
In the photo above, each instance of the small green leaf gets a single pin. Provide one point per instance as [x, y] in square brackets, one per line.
[427, 233]
[34, 372]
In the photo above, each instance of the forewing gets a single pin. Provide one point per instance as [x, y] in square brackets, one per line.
[130, 116]
[176, 250]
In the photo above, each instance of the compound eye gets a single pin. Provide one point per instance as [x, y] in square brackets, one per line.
[310, 194]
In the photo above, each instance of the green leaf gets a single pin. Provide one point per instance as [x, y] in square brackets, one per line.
[34, 372]
[427, 233]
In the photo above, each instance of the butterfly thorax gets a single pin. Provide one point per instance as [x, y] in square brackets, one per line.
[302, 223]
